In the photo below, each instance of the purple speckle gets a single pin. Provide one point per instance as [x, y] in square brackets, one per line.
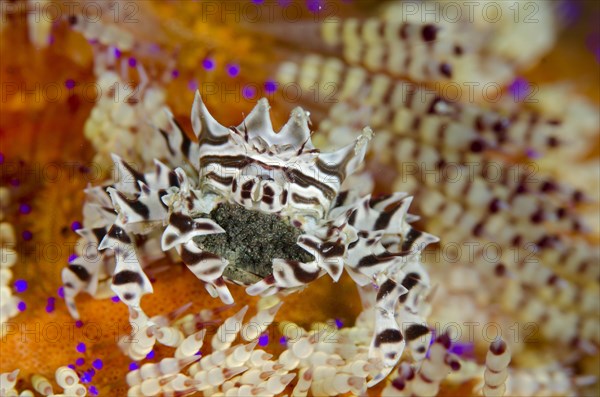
[133, 366]
[569, 10]
[21, 286]
[116, 52]
[80, 361]
[72, 257]
[233, 70]
[258, 1]
[132, 62]
[532, 154]
[93, 390]
[24, 208]
[248, 92]
[150, 355]
[192, 85]
[61, 292]
[79, 323]
[115, 299]
[283, 340]
[175, 73]
[98, 364]
[1, 158]
[49, 308]
[76, 225]
[270, 86]
[27, 235]
[51, 300]
[51, 39]
[81, 347]
[15, 182]
[71, 366]
[338, 323]
[22, 306]
[519, 89]
[70, 83]
[208, 63]
[85, 378]
[593, 44]
[263, 340]
[198, 353]
[463, 349]
[314, 6]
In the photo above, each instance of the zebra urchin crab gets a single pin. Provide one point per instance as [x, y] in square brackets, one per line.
[263, 209]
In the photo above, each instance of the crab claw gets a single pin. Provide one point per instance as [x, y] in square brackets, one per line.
[182, 228]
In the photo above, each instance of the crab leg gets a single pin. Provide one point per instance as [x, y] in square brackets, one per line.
[130, 282]
[208, 267]
[80, 275]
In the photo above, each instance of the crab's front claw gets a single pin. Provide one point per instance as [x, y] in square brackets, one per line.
[182, 228]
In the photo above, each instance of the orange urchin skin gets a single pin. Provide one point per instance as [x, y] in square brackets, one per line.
[103, 323]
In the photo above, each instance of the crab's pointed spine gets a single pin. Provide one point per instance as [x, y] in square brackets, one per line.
[127, 176]
[207, 129]
[258, 124]
[345, 160]
[296, 132]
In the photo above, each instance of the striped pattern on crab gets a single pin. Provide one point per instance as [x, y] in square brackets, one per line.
[253, 167]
